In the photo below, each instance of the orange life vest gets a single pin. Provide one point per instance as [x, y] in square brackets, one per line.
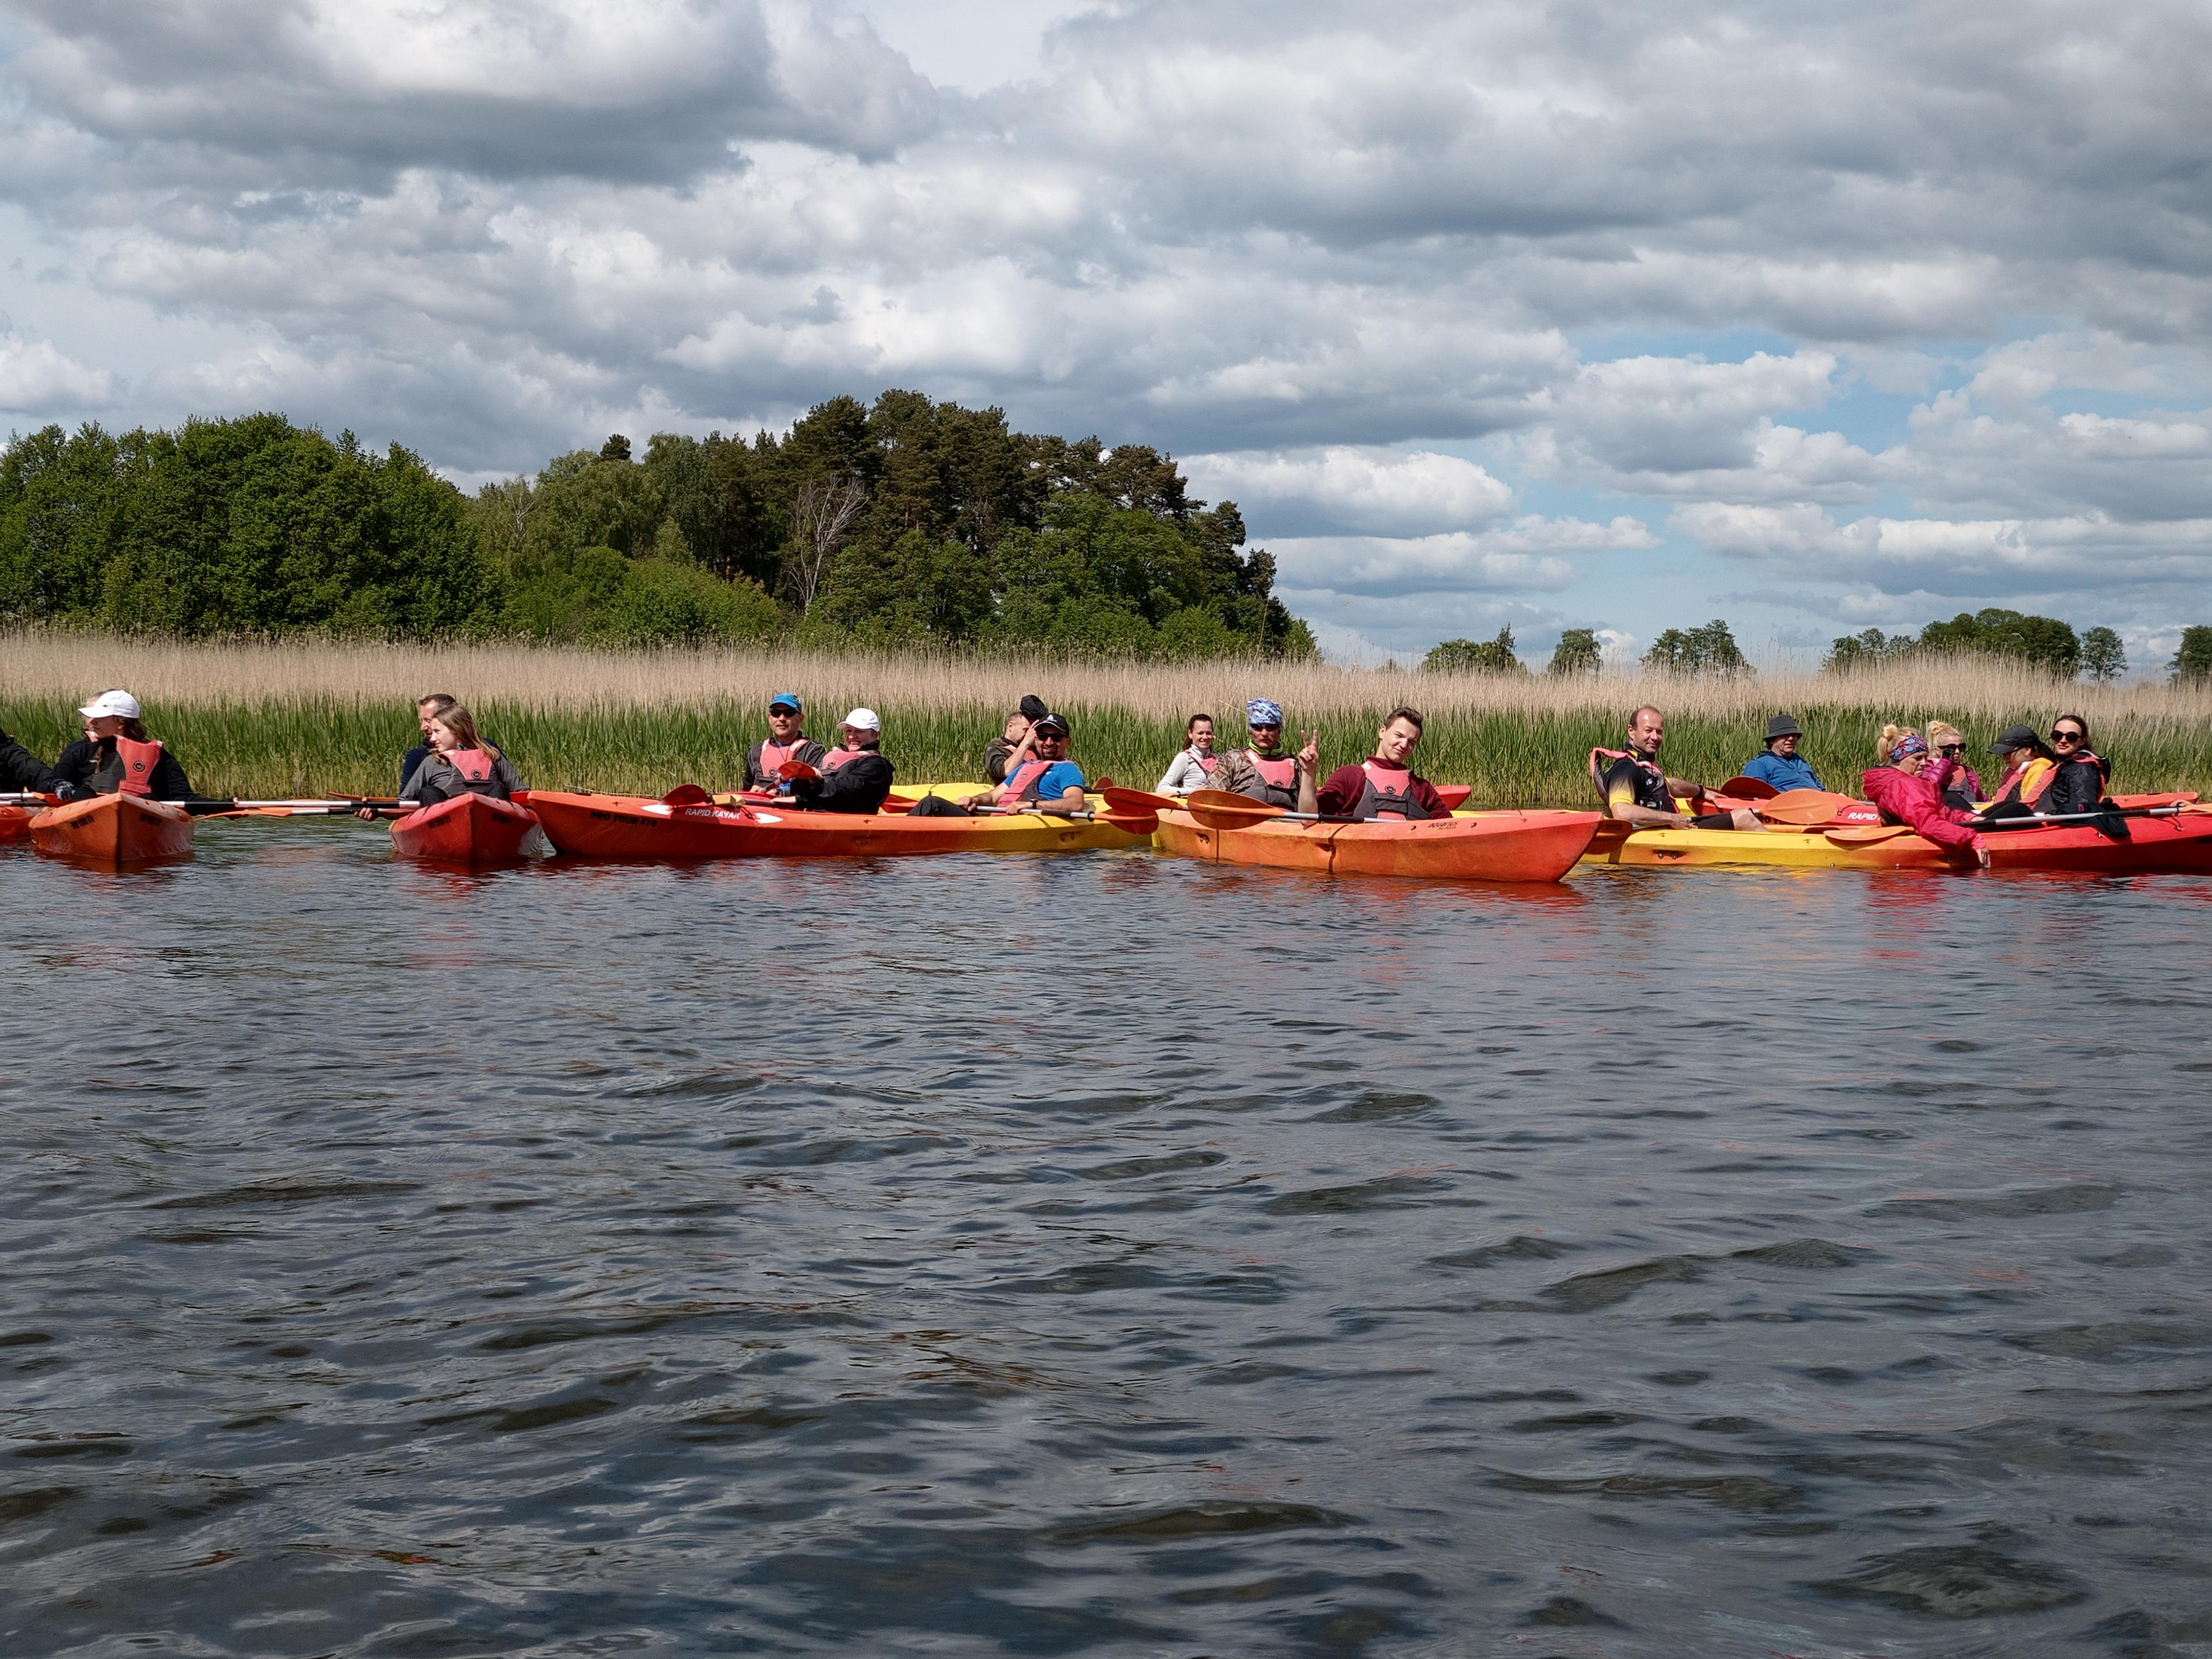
[139, 760]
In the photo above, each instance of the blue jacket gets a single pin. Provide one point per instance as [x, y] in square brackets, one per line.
[1794, 773]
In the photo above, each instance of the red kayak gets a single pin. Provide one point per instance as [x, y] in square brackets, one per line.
[113, 831]
[632, 826]
[15, 824]
[469, 829]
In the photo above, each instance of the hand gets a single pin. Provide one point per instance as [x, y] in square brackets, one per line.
[1981, 853]
[1309, 754]
[366, 815]
[65, 791]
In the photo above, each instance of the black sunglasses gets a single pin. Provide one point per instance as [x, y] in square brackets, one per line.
[1951, 749]
[2066, 736]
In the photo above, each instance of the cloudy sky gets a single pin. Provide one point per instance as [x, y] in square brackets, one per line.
[1812, 316]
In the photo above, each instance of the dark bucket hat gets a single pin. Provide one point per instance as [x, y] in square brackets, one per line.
[1783, 726]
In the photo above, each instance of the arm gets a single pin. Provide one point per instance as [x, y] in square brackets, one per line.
[750, 781]
[170, 782]
[1431, 802]
[1340, 793]
[21, 769]
[1070, 801]
[1171, 780]
[509, 779]
[1763, 767]
[858, 786]
[1309, 763]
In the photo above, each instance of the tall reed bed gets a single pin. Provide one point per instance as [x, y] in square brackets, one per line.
[280, 718]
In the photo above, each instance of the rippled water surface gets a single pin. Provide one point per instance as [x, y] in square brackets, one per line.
[1098, 1254]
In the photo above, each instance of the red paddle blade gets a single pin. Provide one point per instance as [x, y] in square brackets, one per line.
[1745, 789]
[1134, 800]
[687, 795]
[790, 769]
[1454, 795]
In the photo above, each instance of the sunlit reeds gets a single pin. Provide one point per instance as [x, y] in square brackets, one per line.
[305, 716]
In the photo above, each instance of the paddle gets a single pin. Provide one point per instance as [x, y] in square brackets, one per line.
[1744, 788]
[1221, 809]
[1138, 801]
[1803, 808]
[687, 795]
[1873, 833]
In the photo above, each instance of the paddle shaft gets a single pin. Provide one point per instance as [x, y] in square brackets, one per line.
[2035, 821]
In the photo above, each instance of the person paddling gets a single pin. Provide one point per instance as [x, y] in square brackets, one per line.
[1194, 767]
[1261, 770]
[785, 741]
[1897, 784]
[2028, 766]
[426, 706]
[1779, 765]
[116, 755]
[1045, 782]
[854, 777]
[1384, 786]
[459, 762]
[1638, 792]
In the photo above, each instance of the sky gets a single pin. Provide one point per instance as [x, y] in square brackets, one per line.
[1528, 315]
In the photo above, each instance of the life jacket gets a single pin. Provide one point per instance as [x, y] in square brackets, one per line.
[1387, 792]
[134, 773]
[1597, 775]
[1208, 764]
[1278, 778]
[1021, 785]
[836, 757]
[2026, 783]
[773, 755]
[478, 772]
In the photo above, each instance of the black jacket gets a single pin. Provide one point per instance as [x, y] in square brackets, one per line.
[2076, 786]
[95, 769]
[21, 769]
[858, 786]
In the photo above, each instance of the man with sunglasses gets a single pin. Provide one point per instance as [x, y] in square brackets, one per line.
[1048, 781]
[786, 742]
[1262, 771]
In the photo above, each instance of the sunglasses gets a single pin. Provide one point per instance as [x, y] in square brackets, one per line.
[2066, 736]
[1951, 749]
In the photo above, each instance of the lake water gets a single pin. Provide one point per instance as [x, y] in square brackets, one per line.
[1098, 1254]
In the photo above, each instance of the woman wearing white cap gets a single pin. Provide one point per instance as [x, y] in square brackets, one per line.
[115, 755]
[855, 775]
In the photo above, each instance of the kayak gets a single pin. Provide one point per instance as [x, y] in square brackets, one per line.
[112, 831]
[2155, 846]
[1535, 846]
[469, 829]
[15, 824]
[635, 827]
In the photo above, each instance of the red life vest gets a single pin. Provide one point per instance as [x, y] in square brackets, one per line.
[138, 761]
[1278, 778]
[1021, 785]
[1387, 792]
[477, 772]
[771, 758]
[1209, 765]
[2024, 783]
[836, 757]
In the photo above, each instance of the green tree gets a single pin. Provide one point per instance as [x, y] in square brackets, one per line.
[2043, 642]
[2192, 663]
[2104, 659]
[1476, 656]
[1863, 650]
[1576, 653]
[1710, 650]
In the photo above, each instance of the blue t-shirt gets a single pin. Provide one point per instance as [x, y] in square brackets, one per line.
[1791, 773]
[1057, 780]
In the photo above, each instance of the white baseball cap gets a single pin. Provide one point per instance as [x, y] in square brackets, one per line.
[120, 705]
[863, 719]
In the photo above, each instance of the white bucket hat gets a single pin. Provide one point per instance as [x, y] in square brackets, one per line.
[119, 705]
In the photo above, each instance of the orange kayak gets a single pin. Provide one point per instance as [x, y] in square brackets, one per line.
[633, 827]
[112, 831]
[469, 829]
[15, 824]
[1488, 847]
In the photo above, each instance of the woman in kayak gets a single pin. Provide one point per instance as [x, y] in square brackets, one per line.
[854, 777]
[116, 755]
[1898, 785]
[1958, 784]
[2079, 776]
[1192, 768]
[1383, 785]
[426, 709]
[459, 762]
[2028, 765]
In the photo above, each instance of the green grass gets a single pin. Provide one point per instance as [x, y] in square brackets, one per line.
[1512, 757]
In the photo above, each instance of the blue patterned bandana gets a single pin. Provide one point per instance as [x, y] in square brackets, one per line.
[1907, 746]
[1260, 712]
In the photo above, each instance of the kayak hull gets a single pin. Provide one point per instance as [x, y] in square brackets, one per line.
[2179, 846]
[632, 826]
[114, 832]
[1515, 847]
[14, 824]
[469, 829]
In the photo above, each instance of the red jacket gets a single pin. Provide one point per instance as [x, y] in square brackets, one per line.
[1917, 802]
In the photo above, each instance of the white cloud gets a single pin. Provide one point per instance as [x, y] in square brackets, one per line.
[1351, 491]
[1522, 556]
[35, 378]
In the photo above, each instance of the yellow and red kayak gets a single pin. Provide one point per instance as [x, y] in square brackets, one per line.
[470, 829]
[113, 831]
[635, 827]
[1535, 846]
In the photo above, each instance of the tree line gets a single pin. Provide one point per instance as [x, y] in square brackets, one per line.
[903, 522]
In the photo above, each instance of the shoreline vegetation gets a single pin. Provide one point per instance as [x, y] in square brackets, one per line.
[306, 717]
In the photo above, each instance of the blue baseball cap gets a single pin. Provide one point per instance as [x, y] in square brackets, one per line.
[1260, 712]
[788, 700]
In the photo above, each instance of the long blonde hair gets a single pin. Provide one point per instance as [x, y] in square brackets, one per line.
[463, 725]
[1888, 741]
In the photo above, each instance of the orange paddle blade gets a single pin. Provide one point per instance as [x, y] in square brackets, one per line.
[687, 795]
[1745, 789]
[1867, 834]
[1804, 806]
[1136, 800]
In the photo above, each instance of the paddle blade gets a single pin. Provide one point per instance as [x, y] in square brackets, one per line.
[790, 771]
[1135, 800]
[1453, 795]
[1219, 809]
[1867, 835]
[1805, 807]
[1134, 824]
[687, 795]
[1745, 789]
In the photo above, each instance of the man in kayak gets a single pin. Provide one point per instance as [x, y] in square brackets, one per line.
[1639, 792]
[1778, 764]
[998, 753]
[425, 707]
[854, 777]
[116, 755]
[1262, 771]
[786, 742]
[1048, 781]
[1383, 785]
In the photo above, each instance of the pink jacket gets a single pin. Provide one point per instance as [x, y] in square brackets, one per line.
[1919, 803]
[1946, 773]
